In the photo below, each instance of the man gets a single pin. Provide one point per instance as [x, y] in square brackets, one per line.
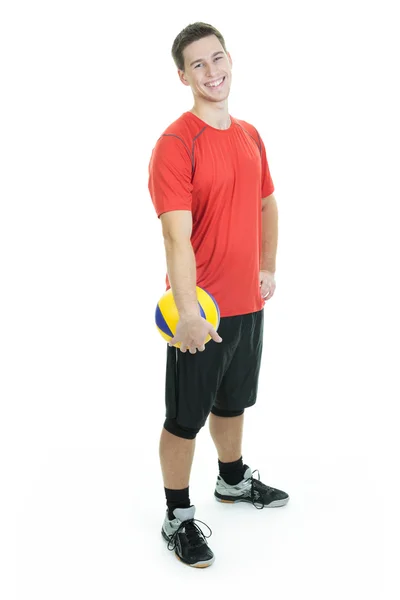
[212, 190]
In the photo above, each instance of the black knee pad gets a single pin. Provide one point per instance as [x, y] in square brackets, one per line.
[226, 413]
[183, 432]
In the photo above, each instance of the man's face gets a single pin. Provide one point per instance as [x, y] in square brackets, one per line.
[206, 63]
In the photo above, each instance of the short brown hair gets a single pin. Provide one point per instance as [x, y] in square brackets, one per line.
[192, 33]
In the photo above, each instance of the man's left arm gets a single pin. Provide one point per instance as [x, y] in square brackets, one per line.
[269, 244]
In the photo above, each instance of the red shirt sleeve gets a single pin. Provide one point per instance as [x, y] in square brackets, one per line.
[170, 175]
[267, 185]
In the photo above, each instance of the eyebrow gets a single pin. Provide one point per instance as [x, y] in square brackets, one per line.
[201, 59]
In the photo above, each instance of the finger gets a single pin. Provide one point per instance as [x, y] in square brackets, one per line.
[266, 291]
[271, 293]
[192, 350]
[202, 348]
[214, 335]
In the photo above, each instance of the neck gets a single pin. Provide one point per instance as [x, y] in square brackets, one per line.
[216, 115]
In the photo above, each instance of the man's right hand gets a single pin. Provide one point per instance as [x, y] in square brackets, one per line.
[192, 332]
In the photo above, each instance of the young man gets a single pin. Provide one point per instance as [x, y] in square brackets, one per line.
[212, 190]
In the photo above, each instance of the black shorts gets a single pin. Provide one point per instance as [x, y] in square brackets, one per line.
[224, 376]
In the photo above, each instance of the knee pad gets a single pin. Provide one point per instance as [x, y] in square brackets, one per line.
[183, 432]
[226, 413]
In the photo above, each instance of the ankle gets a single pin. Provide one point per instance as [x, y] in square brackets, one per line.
[231, 472]
[176, 499]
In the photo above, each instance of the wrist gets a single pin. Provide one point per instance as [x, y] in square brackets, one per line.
[187, 315]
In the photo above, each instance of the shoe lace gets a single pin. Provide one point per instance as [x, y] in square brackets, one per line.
[257, 490]
[194, 534]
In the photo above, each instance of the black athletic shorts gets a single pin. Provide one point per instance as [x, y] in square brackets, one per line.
[224, 375]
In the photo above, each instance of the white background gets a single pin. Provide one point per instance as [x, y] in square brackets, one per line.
[87, 89]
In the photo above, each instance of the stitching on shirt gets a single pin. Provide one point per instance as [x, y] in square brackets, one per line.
[259, 139]
[194, 139]
[179, 138]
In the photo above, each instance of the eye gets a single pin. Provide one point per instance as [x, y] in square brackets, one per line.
[217, 58]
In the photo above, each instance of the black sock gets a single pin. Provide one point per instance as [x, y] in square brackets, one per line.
[231, 472]
[176, 499]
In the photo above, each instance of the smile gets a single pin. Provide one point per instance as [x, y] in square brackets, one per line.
[215, 84]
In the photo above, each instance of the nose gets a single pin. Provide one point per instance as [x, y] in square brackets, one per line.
[211, 70]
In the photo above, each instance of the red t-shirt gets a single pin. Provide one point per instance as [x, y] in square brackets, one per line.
[221, 177]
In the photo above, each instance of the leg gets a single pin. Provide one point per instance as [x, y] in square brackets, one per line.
[179, 529]
[238, 391]
[227, 433]
[191, 385]
[176, 457]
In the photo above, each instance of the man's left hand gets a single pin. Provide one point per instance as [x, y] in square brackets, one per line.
[267, 284]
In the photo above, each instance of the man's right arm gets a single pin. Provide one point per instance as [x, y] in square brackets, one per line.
[181, 262]
[170, 185]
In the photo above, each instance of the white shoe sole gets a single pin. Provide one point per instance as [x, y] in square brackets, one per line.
[273, 504]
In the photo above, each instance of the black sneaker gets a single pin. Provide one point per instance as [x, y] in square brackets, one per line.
[250, 490]
[187, 539]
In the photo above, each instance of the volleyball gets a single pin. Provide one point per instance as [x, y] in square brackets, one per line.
[167, 315]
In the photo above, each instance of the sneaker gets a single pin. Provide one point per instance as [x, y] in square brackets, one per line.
[250, 490]
[187, 539]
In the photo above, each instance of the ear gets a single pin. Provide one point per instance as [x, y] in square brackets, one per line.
[182, 77]
[230, 59]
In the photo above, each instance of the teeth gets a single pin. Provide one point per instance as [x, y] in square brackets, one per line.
[214, 84]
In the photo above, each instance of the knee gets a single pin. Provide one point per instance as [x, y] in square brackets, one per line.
[173, 427]
[226, 413]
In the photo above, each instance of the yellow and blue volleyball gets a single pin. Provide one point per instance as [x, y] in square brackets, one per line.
[167, 315]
